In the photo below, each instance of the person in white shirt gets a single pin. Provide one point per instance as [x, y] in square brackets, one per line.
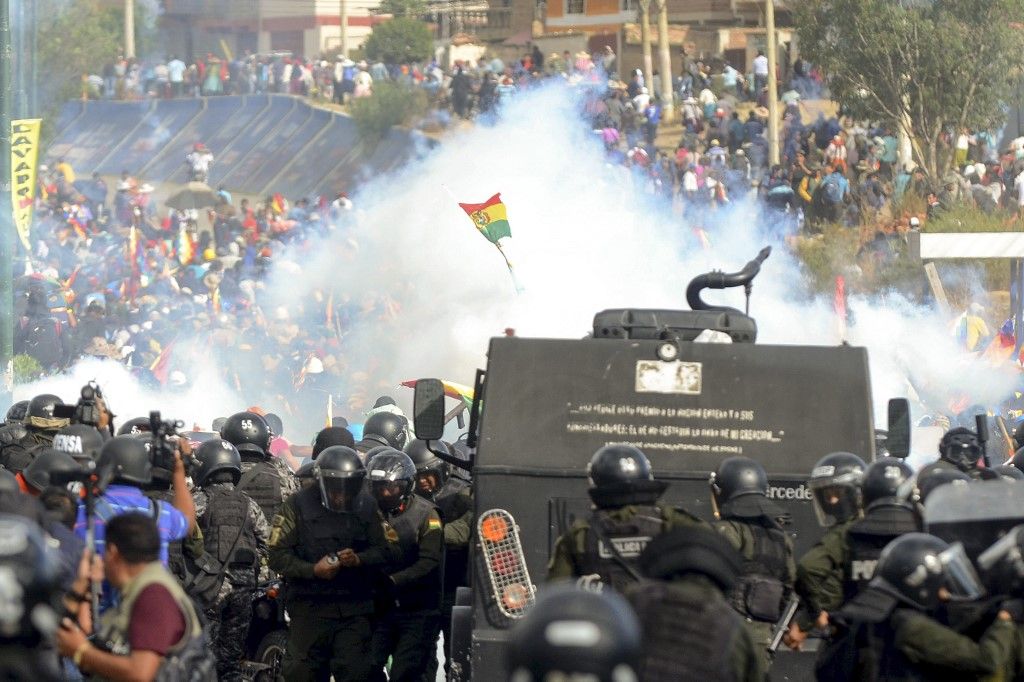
[760, 73]
[642, 100]
[176, 75]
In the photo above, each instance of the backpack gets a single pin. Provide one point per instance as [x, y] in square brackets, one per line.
[41, 339]
[194, 662]
[832, 190]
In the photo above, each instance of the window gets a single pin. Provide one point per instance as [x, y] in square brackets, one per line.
[574, 6]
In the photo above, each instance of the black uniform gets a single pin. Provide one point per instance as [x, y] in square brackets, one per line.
[330, 619]
[235, 535]
[19, 445]
[867, 538]
[409, 607]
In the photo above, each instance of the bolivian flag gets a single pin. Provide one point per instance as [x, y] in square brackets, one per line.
[490, 218]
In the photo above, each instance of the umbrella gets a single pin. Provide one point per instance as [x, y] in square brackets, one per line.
[195, 195]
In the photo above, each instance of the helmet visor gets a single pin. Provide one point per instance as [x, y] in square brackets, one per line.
[961, 579]
[1002, 564]
[835, 500]
[389, 494]
[336, 493]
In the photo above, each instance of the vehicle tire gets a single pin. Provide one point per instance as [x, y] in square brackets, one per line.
[270, 653]
[462, 644]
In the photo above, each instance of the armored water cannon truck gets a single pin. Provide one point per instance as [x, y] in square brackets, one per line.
[689, 388]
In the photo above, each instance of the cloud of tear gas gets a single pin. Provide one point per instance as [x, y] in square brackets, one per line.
[586, 236]
[205, 398]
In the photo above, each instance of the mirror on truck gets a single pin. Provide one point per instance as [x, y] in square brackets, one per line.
[898, 441]
[428, 409]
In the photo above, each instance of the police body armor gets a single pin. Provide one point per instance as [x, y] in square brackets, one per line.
[226, 518]
[867, 538]
[175, 548]
[617, 565]
[426, 593]
[451, 506]
[262, 482]
[685, 639]
[760, 588]
[323, 532]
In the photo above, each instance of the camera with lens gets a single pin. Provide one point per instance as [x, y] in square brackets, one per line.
[87, 410]
[163, 436]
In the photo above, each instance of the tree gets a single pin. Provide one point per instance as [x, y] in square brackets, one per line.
[402, 8]
[74, 38]
[400, 41]
[391, 104]
[926, 68]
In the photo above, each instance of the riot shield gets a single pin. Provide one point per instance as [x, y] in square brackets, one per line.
[976, 514]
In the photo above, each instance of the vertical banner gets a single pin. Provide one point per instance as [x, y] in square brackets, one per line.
[24, 160]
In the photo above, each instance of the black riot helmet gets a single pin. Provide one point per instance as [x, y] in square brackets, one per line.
[1002, 565]
[931, 478]
[835, 487]
[575, 634]
[885, 482]
[16, 412]
[961, 448]
[81, 441]
[248, 432]
[621, 474]
[1018, 436]
[1018, 458]
[387, 428]
[692, 550]
[134, 427]
[428, 464]
[339, 473]
[739, 489]
[41, 406]
[30, 583]
[217, 455]
[392, 477]
[126, 460]
[914, 566]
[49, 462]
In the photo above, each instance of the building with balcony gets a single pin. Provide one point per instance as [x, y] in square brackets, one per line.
[302, 27]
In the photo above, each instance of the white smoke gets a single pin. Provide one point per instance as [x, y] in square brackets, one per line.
[586, 236]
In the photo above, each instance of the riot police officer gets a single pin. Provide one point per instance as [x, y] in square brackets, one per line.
[384, 428]
[836, 496]
[624, 519]
[454, 501]
[851, 561]
[265, 479]
[331, 550]
[689, 631]
[19, 441]
[235, 533]
[612, 654]
[407, 620]
[959, 449]
[892, 628]
[752, 523]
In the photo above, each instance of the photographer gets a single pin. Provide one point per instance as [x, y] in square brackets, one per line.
[125, 462]
[154, 621]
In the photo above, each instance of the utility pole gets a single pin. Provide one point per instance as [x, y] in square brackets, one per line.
[6, 207]
[343, 20]
[773, 86]
[664, 62]
[645, 43]
[129, 29]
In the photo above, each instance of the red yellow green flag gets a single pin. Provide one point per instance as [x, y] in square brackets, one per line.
[490, 218]
[186, 250]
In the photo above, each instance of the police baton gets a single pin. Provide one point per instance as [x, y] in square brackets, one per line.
[782, 625]
[981, 426]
